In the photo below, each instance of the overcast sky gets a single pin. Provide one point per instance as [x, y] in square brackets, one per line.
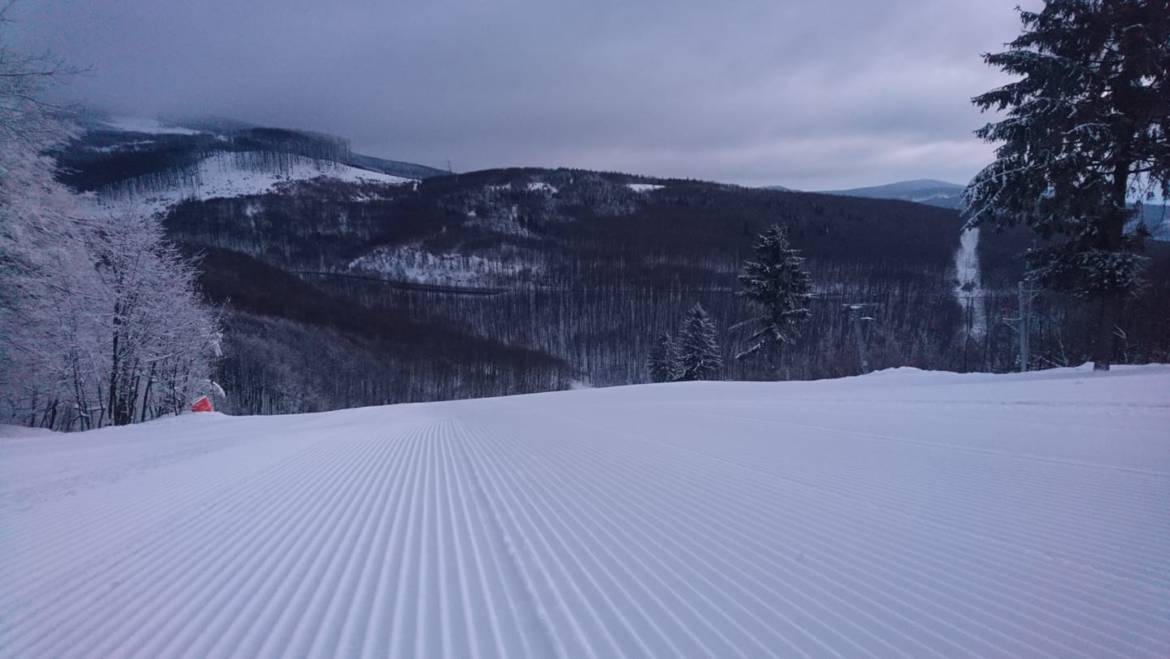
[811, 94]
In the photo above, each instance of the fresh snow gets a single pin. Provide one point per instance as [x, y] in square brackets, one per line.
[969, 283]
[132, 145]
[225, 175]
[903, 513]
[145, 126]
[412, 262]
[541, 186]
[643, 187]
[8, 430]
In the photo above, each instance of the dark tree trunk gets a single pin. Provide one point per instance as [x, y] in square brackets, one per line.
[1110, 311]
[114, 365]
[146, 394]
[1112, 237]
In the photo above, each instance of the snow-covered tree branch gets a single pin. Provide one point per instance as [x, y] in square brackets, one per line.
[1085, 132]
[100, 319]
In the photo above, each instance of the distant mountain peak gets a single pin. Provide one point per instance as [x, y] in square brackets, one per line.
[922, 182]
[932, 192]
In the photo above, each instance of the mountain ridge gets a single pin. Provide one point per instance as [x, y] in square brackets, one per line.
[926, 191]
[581, 269]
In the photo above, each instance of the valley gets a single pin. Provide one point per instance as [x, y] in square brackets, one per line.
[547, 276]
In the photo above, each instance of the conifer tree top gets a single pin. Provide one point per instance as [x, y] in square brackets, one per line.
[1084, 133]
[779, 288]
[699, 356]
[1092, 101]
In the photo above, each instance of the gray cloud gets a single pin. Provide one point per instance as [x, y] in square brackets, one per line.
[812, 95]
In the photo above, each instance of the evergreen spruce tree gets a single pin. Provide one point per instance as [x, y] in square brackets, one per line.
[663, 359]
[699, 357]
[1086, 131]
[778, 288]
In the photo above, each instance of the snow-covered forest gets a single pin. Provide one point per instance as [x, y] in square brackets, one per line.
[304, 276]
[101, 321]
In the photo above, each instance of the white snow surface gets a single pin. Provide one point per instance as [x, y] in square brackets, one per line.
[412, 262]
[904, 513]
[643, 187]
[8, 430]
[225, 175]
[541, 186]
[969, 285]
[147, 126]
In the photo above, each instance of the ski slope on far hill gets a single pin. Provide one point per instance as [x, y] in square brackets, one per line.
[226, 175]
[904, 513]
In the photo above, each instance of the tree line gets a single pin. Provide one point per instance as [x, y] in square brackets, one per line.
[617, 274]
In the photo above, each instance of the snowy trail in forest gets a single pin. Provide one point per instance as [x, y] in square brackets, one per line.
[969, 284]
[899, 514]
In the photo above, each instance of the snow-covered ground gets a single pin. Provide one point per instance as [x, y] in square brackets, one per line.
[899, 514]
[643, 187]
[225, 175]
[412, 262]
[969, 283]
[146, 126]
[541, 186]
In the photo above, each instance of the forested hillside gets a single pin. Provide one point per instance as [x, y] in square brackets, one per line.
[352, 280]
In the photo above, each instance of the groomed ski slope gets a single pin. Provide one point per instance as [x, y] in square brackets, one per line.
[899, 514]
